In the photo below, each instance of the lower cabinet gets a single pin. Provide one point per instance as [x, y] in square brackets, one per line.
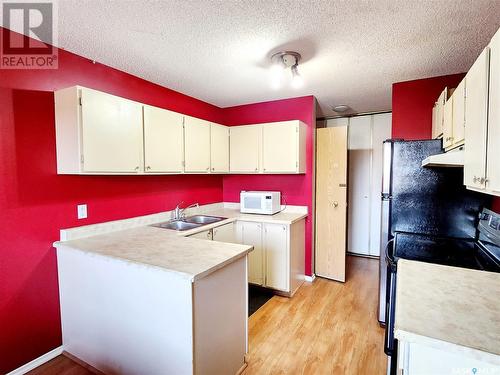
[224, 233]
[420, 359]
[277, 260]
[205, 235]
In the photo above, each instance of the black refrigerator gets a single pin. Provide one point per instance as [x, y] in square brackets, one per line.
[416, 199]
[427, 209]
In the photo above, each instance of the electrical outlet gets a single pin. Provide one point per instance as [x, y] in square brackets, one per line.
[81, 211]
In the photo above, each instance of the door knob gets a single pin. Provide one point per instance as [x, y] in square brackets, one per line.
[335, 204]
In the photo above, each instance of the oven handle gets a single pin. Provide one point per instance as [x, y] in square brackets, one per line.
[389, 257]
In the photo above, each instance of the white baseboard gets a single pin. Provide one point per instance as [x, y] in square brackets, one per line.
[310, 279]
[37, 362]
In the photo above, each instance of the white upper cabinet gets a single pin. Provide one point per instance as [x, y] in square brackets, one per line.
[458, 117]
[163, 141]
[283, 147]
[196, 145]
[245, 148]
[448, 123]
[219, 148]
[437, 125]
[492, 183]
[476, 122]
[97, 133]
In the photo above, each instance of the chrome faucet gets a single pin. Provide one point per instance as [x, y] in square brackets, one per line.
[179, 212]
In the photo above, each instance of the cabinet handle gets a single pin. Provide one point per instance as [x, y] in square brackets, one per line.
[136, 168]
[474, 179]
[148, 168]
[207, 168]
[256, 169]
[213, 169]
[482, 181]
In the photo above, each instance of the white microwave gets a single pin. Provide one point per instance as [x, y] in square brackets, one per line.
[260, 202]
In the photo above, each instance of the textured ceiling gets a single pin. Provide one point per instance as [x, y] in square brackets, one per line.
[218, 50]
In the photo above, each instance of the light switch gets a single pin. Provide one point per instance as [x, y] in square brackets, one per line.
[82, 211]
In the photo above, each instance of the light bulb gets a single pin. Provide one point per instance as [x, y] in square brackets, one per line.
[297, 80]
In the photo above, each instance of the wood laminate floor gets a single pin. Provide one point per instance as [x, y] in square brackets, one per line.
[326, 328]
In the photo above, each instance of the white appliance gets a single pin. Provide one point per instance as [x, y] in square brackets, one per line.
[260, 202]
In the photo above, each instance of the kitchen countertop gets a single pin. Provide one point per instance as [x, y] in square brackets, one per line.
[449, 308]
[191, 258]
[168, 249]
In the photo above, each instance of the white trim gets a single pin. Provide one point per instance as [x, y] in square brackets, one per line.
[309, 279]
[37, 362]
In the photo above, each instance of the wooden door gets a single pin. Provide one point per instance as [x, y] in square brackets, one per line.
[163, 141]
[224, 233]
[245, 148]
[459, 114]
[493, 159]
[111, 133]
[331, 202]
[250, 233]
[448, 123]
[276, 253]
[280, 147]
[196, 145]
[476, 122]
[219, 148]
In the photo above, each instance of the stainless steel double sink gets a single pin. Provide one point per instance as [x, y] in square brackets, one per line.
[190, 222]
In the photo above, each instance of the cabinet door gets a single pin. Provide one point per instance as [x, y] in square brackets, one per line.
[205, 235]
[219, 148]
[163, 141]
[280, 147]
[459, 114]
[476, 122]
[224, 233]
[448, 123]
[250, 233]
[244, 149]
[276, 251]
[434, 121]
[493, 159]
[111, 133]
[196, 145]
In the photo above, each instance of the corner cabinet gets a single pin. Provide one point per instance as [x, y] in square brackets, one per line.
[219, 148]
[196, 145]
[97, 132]
[163, 141]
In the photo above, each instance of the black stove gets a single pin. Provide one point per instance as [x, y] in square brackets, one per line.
[480, 253]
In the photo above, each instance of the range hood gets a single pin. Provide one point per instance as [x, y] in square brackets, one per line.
[454, 158]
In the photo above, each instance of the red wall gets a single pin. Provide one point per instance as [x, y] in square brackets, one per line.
[35, 202]
[296, 189]
[412, 103]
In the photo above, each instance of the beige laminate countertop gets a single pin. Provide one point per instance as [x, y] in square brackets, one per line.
[171, 250]
[452, 307]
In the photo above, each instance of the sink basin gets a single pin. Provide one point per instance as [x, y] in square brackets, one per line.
[203, 219]
[178, 225]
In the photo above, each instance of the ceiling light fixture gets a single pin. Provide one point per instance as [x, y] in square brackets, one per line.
[283, 61]
[340, 108]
